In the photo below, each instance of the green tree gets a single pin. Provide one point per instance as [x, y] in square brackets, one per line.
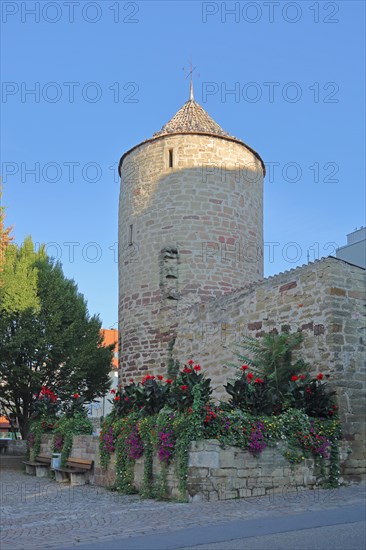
[5, 237]
[19, 290]
[47, 337]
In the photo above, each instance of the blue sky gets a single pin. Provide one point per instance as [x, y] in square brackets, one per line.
[108, 74]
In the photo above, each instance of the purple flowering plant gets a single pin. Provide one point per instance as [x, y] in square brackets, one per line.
[134, 444]
[166, 445]
[108, 440]
[256, 440]
[58, 442]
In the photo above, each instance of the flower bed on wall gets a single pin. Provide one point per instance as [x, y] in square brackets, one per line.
[273, 406]
[160, 456]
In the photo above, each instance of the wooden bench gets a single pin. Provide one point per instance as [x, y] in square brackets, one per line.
[76, 471]
[39, 467]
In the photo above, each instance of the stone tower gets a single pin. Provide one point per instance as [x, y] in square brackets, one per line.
[190, 229]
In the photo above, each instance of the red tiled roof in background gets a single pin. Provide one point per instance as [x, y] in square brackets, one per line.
[4, 422]
[110, 336]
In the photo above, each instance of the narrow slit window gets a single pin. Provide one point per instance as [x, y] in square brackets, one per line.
[170, 158]
[130, 237]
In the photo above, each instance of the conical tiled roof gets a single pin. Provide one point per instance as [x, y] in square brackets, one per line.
[192, 118]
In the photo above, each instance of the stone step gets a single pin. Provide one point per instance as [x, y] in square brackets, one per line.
[9, 462]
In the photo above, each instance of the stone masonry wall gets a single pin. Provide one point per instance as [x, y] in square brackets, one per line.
[215, 473]
[16, 447]
[223, 474]
[326, 300]
[187, 233]
[46, 444]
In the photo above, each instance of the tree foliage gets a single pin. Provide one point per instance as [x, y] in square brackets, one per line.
[19, 290]
[5, 238]
[47, 336]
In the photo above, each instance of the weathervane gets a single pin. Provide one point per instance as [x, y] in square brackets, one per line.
[190, 76]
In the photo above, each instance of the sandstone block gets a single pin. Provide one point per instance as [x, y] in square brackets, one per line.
[204, 459]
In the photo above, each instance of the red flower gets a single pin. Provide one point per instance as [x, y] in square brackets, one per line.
[302, 376]
[131, 381]
[258, 381]
[249, 376]
[187, 370]
[160, 377]
[184, 388]
[190, 362]
[113, 391]
[46, 392]
[244, 367]
[169, 381]
[76, 395]
[320, 376]
[197, 368]
[127, 398]
[147, 377]
[117, 398]
[294, 378]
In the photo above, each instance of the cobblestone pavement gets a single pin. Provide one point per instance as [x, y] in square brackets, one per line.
[40, 513]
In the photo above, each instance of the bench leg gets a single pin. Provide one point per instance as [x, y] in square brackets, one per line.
[61, 477]
[42, 471]
[30, 470]
[79, 478]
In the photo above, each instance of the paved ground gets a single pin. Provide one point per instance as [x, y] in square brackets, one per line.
[39, 513]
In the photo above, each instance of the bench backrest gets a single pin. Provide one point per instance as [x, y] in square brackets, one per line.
[44, 459]
[80, 463]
